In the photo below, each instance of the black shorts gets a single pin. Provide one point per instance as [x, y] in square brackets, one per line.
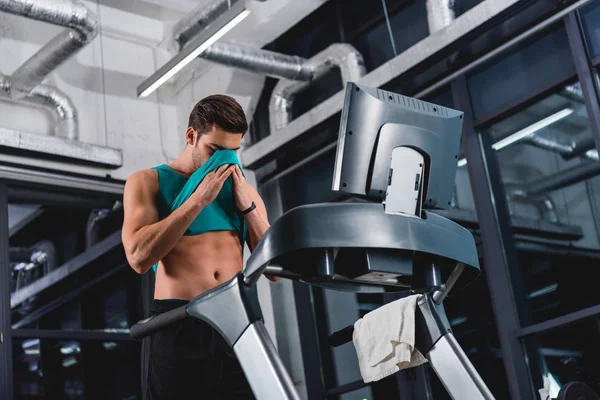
[190, 360]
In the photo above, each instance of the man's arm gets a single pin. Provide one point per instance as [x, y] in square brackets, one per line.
[146, 239]
[257, 220]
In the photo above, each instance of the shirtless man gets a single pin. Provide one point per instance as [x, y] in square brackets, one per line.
[190, 359]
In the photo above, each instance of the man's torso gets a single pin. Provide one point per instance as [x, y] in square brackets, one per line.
[199, 261]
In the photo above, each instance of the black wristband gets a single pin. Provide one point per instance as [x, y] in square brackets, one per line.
[247, 210]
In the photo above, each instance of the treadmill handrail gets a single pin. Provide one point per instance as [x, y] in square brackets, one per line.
[342, 225]
[149, 326]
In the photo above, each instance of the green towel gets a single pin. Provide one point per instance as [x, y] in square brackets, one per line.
[222, 213]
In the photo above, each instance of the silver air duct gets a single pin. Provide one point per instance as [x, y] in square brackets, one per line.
[56, 102]
[81, 29]
[296, 73]
[564, 178]
[341, 55]
[265, 62]
[440, 14]
[251, 59]
[567, 149]
[198, 19]
[25, 86]
[544, 204]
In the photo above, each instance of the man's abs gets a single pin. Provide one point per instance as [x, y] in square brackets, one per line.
[197, 264]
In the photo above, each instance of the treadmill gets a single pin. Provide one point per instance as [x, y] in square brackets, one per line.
[400, 154]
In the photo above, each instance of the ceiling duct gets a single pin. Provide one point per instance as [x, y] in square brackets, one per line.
[340, 55]
[537, 192]
[567, 149]
[24, 85]
[296, 73]
[440, 14]
[198, 20]
[564, 178]
[544, 204]
[81, 29]
[53, 100]
[260, 61]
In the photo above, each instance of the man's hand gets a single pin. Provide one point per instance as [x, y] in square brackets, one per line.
[211, 185]
[240, 189]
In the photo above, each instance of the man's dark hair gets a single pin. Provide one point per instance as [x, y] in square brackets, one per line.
[221, 110]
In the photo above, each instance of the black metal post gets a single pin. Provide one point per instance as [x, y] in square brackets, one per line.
[500, 257]
[315, 387]
[585, 73]
[6, 362]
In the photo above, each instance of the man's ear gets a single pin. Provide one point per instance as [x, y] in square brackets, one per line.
[190, 136]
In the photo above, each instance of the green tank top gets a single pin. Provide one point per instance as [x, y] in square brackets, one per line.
[220, 215]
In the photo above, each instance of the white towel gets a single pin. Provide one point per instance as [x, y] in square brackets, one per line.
[384, 340]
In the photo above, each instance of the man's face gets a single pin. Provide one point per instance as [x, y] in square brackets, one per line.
[213, 140]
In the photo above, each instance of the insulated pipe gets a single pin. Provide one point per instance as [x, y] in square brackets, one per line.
[81, 29]
[567, 149]
[52, 99]
[198, 19]
[298, 73]
[580, 147]
[440, 14]
[260, 61]
[564, 178]
[251, 59]
[341, 55]
[544, 204]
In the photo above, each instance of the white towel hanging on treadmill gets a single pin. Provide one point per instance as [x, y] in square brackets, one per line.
[384, 340]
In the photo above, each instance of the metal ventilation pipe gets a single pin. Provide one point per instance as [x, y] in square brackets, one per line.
[52, 99]
[198, 19]
[440, 14]
[544, 204]
[298, 72]
[564, 178]
[265, 62]
[341, 55]
[234, 55]
[567, 149]
[81, 29]
[580, 147]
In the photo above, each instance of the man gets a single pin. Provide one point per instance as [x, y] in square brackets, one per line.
[193, 248]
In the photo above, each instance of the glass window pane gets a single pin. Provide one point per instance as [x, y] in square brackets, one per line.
[590, 16]
[553, 199]
[47, 232]
[48, 369]
[72, 370]
[310, 183]
[533, 67]
[463, 6]
[27, 366]
[409, 26]
[569, 353]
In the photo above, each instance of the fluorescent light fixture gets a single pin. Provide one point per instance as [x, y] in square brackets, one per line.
[458, 321]
[527, 131]
[540, 292]
[531, 129]
[216, 30]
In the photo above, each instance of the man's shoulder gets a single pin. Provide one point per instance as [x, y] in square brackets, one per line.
[147, 178]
